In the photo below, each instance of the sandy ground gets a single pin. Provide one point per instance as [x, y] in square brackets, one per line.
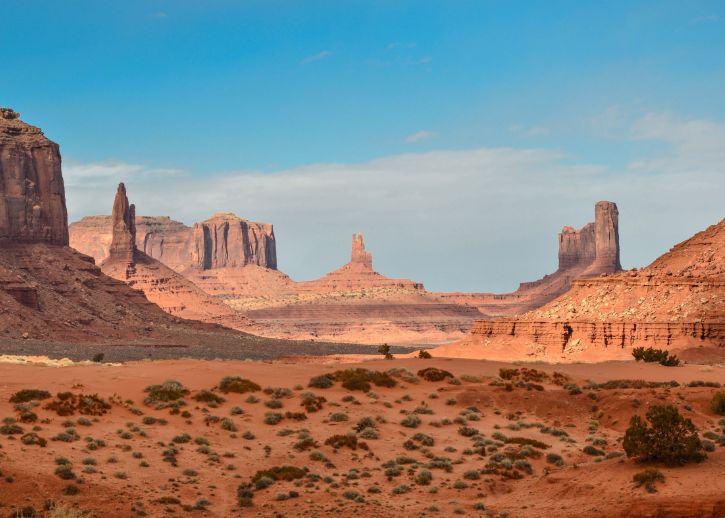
[129, 477]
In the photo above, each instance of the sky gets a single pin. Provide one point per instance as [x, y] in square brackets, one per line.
[457, 136]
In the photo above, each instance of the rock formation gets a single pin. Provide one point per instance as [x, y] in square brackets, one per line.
[50, 292]
[32, 197]
[221, 241]
[592, 250]
[359, 254]
[123, 224]
[163, 286]
[677, 302]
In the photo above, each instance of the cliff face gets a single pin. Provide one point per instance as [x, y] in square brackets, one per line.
[32, 197]
[676, 302]
[219, 242]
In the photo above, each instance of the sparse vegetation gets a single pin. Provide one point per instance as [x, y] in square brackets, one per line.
[717, 404]
[651, 355]
[647, 478]
[237, 385]
[434, 374]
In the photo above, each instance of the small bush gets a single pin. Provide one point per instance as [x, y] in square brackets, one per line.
[65, 472]
[344, 441]
[237, 385]
[717, 404]
[669, 437]
[26, 395]
[554, 458]
[424, 355]
[385, 351]
[647, 478]
[651, 355]
[207, 396]
[360, 379]
[433, 374]
[424, 477]
[591, 450]
[277, 473]
[411, 421]
[273, 418]
[324, 381]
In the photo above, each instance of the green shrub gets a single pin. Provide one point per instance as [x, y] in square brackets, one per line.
[168, 391]
[277, 473]
[237, 385]
[424, 355]
[554, 458]
[324, 381]
[207, 396]
[411, 421]
[272, 418]
[433, 374]
[23, 396]
[647, 478]
[344, 441]
[360, 379]
[651, 355]
[385, 351]
[717, 404]
[669, 437]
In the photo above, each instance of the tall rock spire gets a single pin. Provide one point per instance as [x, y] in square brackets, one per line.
[606, 232]
[359, 254]
[123, 244]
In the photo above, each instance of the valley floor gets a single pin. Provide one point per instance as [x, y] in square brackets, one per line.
[467, 445]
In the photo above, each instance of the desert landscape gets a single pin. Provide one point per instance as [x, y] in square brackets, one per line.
[166, 365]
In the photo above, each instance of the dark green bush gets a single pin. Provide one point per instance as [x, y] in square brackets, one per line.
[669, 437]
[286, 473]
[323, 381]
[647, 478]
[424, 355]
[360, 379]
[717, 404]
[23, 396]
[207, 396]
[651, 355]
[433, 374]
[237, 385]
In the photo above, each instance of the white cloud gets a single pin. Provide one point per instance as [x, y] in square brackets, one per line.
[418, 136]
[476, 219]
[316, 57]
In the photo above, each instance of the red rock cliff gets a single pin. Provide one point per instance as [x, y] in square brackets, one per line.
[123, 224]
[224, 240]
[32, 197]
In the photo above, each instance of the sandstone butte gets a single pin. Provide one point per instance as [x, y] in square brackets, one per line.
[675, 303]
[235, 260]
[49, 291]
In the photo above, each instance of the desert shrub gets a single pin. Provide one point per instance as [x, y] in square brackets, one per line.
[168, 392]
[385, 351]
[272, 418]
[425, 440]
[311, 402]
[411, 421]
[424, 355]
[360, 379]
[369, 433]
[344, 441]
[67, 403]
[228, 425]
[472, 474]
[65, 472]
[554, 458]
[647, 478]
[467, 431]
[591, 450]
[11, 429]
[207, 396]
[26, 395]
[295, 416]
[403, 374]
[237, 385]
[717, 404]
[700, 383]
[277, 473]
[434, 374]
[235, 410]
[424, 477]
[323, 381]
[33, 438]
[669, 437]
[245, 495]
[527, 441]
[651, 355]
[182, 439]
[98, 358]
[274, 404]
[338, 417]
[399, 490]
[305, 444]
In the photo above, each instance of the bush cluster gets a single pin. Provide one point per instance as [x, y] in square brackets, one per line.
[651, 355]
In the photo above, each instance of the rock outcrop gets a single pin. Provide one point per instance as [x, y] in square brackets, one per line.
[222, 241]
[32, 197]
[163, 286]
[677, 302]
[592, 250]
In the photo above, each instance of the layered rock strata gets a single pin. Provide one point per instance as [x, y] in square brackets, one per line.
[222, 241]
[677, 302]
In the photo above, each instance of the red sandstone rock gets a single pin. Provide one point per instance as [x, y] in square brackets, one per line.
[222, 241]
[32, 198]
[678, 302]
[123, 241]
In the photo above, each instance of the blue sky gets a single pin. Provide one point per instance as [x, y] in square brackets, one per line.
[471, 130]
